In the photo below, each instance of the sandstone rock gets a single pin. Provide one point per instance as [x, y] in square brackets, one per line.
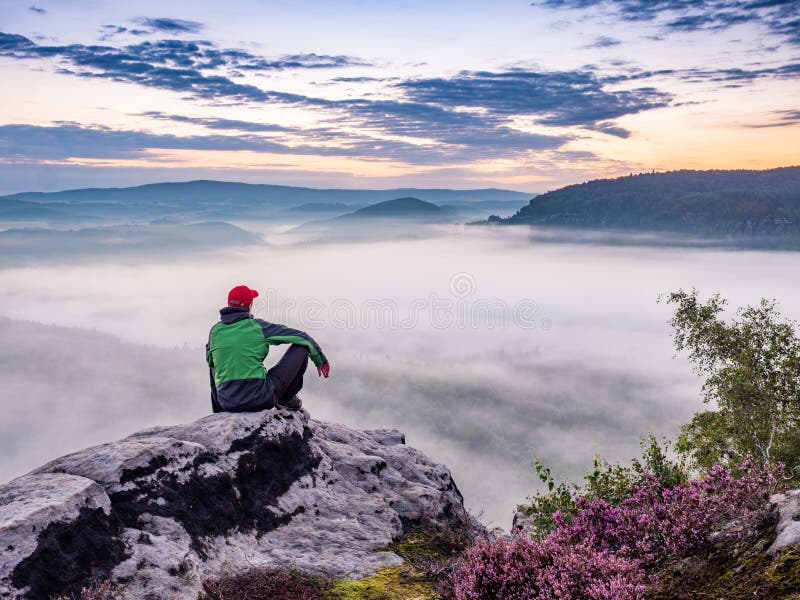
[37, 514]
[788, 528]
[165, 508]
[523, 522]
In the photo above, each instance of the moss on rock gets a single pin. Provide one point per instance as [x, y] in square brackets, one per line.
[430, 555]
[391, 583]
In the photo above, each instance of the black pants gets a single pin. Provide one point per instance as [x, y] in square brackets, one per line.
[286, 377]
[284, 380]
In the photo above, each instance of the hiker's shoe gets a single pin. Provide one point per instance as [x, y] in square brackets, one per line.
[293, 403]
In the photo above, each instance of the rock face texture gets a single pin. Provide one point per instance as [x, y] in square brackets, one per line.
[165, 508]
[787, 507]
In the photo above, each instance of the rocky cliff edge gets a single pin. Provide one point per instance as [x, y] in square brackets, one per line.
[165, 508]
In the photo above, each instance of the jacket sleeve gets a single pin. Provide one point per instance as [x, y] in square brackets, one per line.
[280, 334]
[209, 357]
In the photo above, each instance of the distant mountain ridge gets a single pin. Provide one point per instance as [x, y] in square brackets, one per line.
[209, 190]
[741, 205]
[220, 200]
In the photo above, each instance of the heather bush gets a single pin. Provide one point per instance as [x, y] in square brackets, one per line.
[605, 550]
[528, 569]
[606, 481]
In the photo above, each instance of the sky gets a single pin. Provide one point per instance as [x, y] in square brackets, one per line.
[354, 94]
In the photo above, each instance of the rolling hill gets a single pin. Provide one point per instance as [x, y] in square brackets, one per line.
[403, 208]
[219, 198]
[758, 207]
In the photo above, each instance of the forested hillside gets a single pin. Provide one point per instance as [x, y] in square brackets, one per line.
[744, 205]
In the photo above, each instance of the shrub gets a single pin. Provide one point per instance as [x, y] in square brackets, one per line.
[436, 552]
[265, 584]
[606, 481]
[605, 550]
[97, 591]
[530, 569]
[752, 369]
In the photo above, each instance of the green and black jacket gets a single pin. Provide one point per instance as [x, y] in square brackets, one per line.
[236, 349]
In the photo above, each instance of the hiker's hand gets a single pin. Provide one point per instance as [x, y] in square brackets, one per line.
[324, 370]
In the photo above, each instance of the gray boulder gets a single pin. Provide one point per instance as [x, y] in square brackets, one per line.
[523, 523]
[165, 508]
[787, 507]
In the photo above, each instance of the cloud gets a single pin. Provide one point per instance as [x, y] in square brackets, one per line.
[22, 143]
[733, 77]
[472, 115]
[738, 77]
[177, 65]
[363, 79]
[173, 26]
[37, 9]
[490, 136]
[604, 41]
[197, 68]
[309, 61]
[217, 123]
[484, 133]
[107, 32]
[784, 118]
[557, 98]
[780, 17]
[19, 142]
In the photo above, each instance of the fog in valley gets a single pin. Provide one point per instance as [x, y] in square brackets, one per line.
[485, 346]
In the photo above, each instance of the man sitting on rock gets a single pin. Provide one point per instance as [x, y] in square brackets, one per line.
[236, 349]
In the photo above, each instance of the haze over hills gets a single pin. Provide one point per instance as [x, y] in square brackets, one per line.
[229, 200]
[399, 218]
[311, 207]
[752, 207]
[21, 246]
[20, 210]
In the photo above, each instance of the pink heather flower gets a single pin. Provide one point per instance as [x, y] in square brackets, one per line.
[604, 552]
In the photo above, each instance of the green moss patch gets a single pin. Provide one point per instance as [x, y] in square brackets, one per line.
[431, 543]
[430, 554]
[391, 583]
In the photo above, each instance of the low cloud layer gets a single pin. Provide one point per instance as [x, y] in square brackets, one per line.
[590, 372]
[485, 418]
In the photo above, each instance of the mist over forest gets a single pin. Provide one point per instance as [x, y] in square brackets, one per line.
[486, 347]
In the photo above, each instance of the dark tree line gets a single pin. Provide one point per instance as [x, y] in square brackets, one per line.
[737, 204]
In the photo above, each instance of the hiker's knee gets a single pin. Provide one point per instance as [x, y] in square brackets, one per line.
[299, 354]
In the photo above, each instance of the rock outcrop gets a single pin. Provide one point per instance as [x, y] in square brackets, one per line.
[165, 508]
[787, 509]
